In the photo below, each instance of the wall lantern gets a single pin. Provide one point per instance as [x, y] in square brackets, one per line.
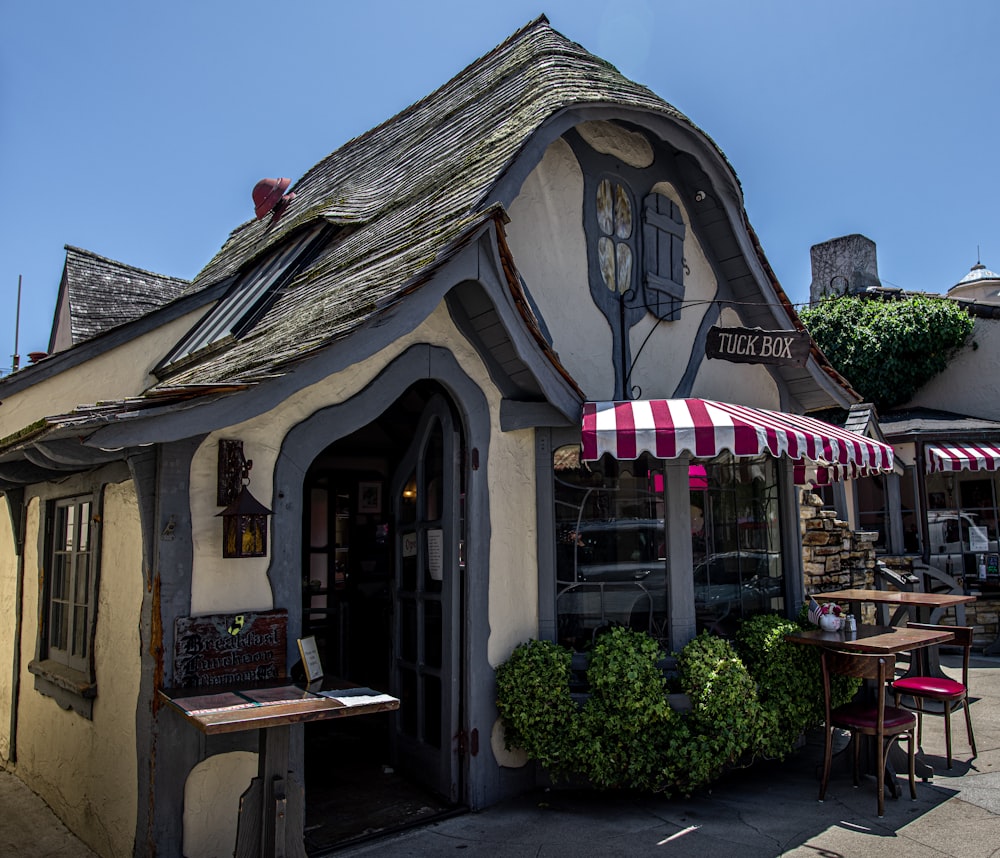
[244, 520]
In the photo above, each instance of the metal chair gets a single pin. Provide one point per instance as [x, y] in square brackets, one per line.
[861, 717]
[948, 692]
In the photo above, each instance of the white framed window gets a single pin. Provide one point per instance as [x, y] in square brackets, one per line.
[70, 591]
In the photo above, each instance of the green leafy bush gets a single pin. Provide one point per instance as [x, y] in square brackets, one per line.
[726, 721]
[789, 681]
[747, 700]
[888, 348]
[626, 721]
[533, 698]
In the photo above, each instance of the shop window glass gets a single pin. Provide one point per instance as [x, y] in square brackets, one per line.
[962, 520]
[736, 544]
[611, 561]
[873, 508]
[908, 511]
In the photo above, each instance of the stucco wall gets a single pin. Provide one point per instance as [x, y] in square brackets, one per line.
[971, 383]
[122, 372]
[547, 238]
[86, 770]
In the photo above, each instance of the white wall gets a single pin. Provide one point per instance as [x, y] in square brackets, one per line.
[971, 383]
[122, 372]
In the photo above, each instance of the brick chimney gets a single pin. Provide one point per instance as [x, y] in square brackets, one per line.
[843, 265]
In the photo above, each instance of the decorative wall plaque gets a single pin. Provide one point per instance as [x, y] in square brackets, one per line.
[230, 649]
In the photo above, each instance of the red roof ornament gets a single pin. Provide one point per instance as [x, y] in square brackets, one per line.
[269, 195]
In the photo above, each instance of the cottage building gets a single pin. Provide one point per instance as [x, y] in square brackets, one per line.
[466, 357]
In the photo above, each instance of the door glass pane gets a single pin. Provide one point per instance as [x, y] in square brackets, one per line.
[408, 701]
[432, 711]
[408, 630]
[735, 543]
[433, 475]
[408, 500]
[318, 518]
[432, 633]
[408, 562]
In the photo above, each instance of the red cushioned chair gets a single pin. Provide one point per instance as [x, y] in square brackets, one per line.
[946, 691]
[885, 724]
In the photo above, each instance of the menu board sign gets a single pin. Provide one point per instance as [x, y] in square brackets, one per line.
[230, 649]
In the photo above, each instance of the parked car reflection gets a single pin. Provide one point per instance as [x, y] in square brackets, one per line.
[732, 585]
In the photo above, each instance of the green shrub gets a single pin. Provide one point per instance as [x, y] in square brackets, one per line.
[726, 720]
[747, 700]
[533, 698]
[789, 680]
[626, 721]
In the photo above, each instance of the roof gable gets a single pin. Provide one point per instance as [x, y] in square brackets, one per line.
[97, 294]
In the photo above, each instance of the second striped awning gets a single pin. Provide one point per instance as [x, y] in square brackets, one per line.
[703, 428]
[962, 457]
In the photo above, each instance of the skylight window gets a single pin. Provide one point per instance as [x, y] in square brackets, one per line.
[249, 298]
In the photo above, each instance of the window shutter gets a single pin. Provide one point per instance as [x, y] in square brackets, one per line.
[663, 256]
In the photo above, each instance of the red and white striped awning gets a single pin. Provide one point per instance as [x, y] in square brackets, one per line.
[962, 457]
[702, 428]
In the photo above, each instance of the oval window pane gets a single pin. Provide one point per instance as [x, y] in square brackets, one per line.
[606, 256]
[605, 210]
[624, 254]
[623, 213]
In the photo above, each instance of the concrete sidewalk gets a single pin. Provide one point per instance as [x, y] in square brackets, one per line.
[767, 810]
[28, 827]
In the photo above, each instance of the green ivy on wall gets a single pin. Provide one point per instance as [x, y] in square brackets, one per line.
[888, 348]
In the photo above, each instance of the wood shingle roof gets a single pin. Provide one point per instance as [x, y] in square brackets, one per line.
[97, 294]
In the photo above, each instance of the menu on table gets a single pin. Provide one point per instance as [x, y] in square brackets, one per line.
[227, 701]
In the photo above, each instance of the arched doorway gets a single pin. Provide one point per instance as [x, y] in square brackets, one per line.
[382, 529]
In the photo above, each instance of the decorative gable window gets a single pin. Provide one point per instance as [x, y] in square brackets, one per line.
[663, 256]
[614, 246]
[250, 297]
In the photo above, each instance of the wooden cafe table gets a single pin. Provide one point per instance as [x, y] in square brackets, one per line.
[880, 640]
[912, 606]
[271, 809]
[915, 606]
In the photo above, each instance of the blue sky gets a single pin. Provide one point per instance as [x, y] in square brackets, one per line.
[138, 130]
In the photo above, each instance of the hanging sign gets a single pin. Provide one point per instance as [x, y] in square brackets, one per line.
[754, 345]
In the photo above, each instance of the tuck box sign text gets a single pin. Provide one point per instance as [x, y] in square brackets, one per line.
[753, 345]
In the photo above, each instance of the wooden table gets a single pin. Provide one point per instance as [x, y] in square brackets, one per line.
[271, 810]
[882, 640]
[915, 606]
[912, 606]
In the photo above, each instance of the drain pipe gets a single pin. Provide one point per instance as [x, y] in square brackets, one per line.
[15, 506]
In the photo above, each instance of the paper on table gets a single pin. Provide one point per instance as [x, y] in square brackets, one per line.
[358, 696]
